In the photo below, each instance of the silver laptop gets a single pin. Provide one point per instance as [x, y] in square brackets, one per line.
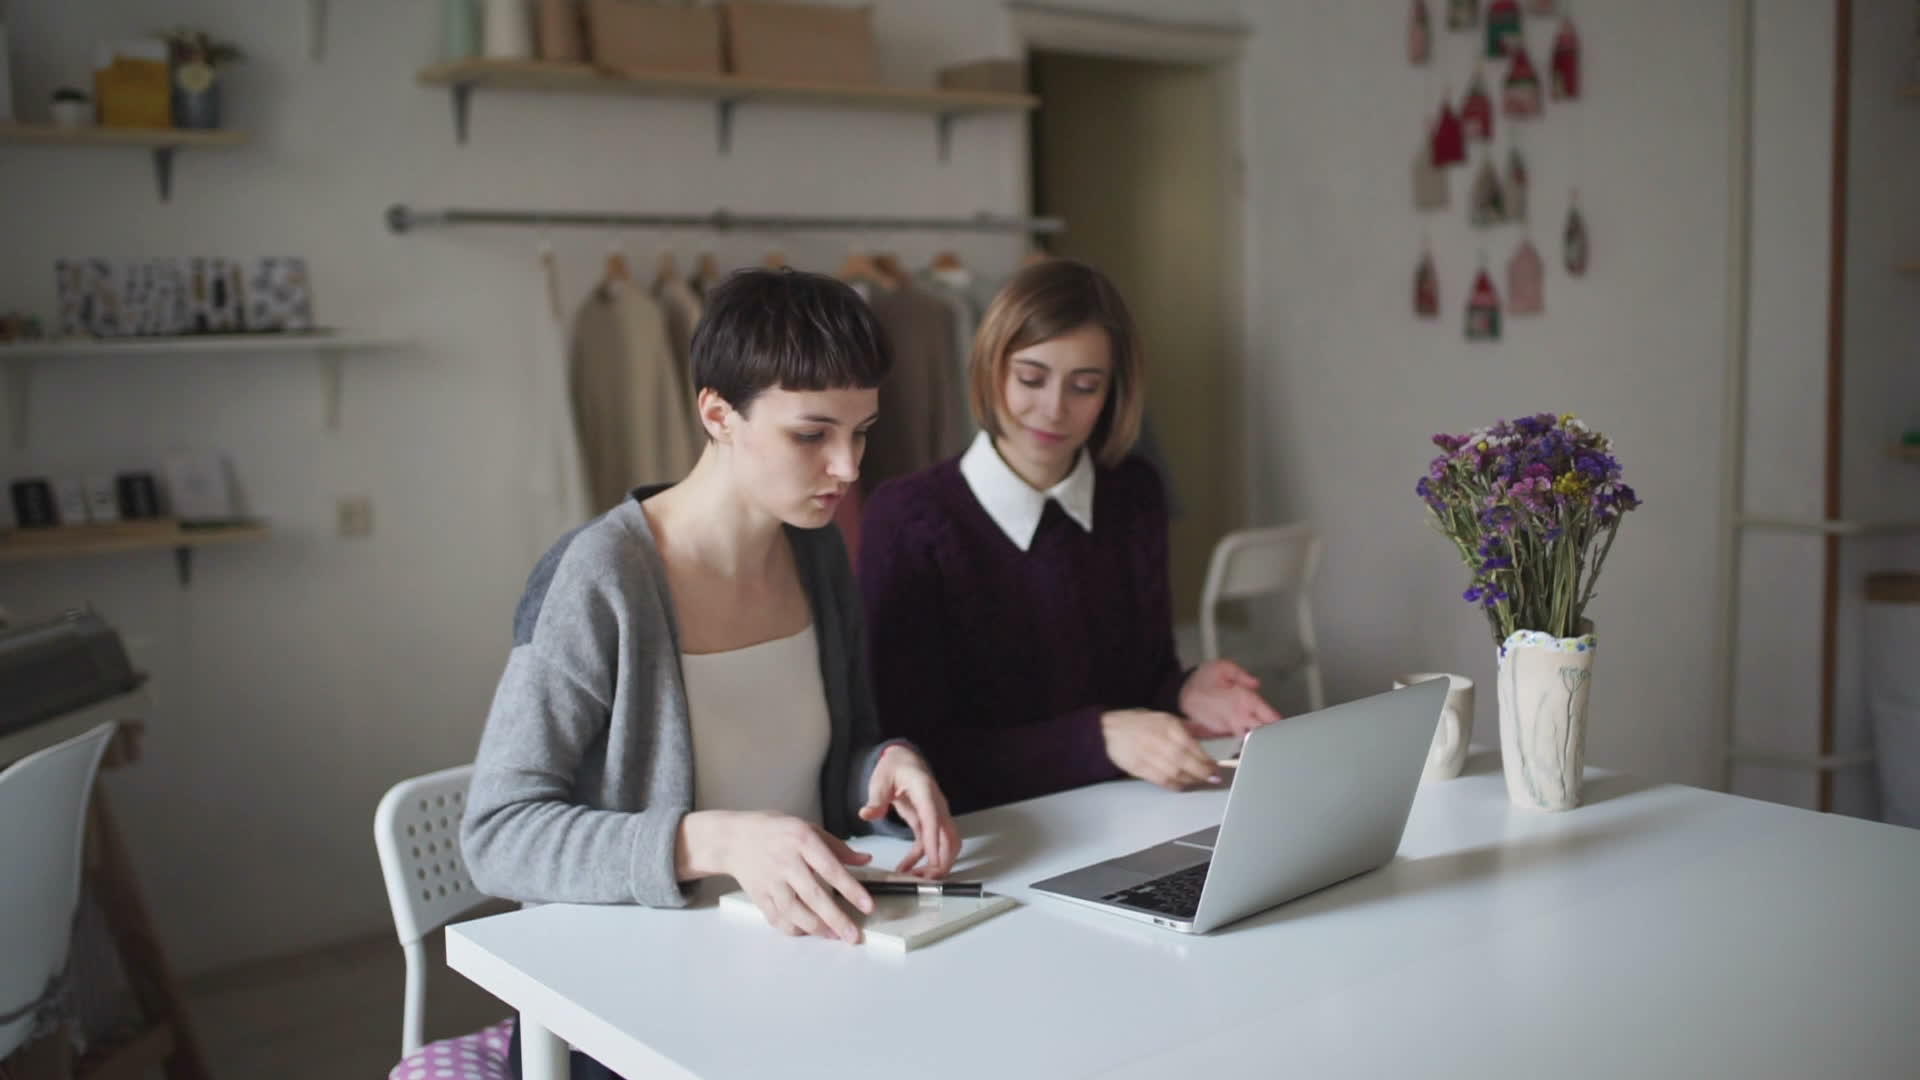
[1316, 799]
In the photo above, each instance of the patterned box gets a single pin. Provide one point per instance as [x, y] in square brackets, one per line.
[89, 298]
[153, 297]
[214, 299]
[279, 296]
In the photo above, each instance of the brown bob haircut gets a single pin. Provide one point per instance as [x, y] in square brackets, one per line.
[1045, 301]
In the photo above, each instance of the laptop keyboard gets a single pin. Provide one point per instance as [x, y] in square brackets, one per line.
[1176, 894]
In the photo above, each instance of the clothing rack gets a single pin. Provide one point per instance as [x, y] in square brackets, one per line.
[403, 218]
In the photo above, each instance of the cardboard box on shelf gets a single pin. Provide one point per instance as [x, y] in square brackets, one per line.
[635, 37]
[813, 43]
[997, 76]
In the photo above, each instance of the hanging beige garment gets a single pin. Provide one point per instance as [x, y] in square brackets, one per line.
[682, 309]
[917, 399]
[635, 418]
[950, 287]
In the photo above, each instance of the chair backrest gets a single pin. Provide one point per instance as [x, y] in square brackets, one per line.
[1260, 562]
[416, 830]
[1254, 562]
[43, 819]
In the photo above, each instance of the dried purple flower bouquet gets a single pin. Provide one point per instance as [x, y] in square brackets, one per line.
[1533, 505]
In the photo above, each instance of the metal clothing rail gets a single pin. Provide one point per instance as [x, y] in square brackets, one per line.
[403, 218]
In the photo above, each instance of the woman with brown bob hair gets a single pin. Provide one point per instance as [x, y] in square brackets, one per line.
[1017, 596]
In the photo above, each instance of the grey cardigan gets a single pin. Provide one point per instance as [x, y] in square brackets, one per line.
[586, 765]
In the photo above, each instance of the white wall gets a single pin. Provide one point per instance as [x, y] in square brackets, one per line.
[1354, 384]
[296, 679]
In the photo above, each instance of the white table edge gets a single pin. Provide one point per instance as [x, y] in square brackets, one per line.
[544, 1043]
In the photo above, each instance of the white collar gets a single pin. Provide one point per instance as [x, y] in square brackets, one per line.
[1015, 506]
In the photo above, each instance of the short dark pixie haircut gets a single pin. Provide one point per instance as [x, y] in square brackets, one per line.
[786, 329]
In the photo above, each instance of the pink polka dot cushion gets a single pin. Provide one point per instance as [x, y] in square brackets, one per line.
[479, 1056]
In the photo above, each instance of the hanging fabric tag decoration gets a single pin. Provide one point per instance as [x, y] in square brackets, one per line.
[1574, 247]
[1487, 204]
[1483, 309]
[1526, 281]
[1565, 73]
[1516, 186]
[1476, 109]
[1449, 141]
[1462, 14]
[1430, 188]
[1419, 35]
[1426, 288]
[1522, 100]
[1503, 28]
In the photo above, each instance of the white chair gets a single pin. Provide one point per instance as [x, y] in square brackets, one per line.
[416, 829]
[43, 824]
[1249, 563]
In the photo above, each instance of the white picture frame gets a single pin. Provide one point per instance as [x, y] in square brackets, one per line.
[200, 486]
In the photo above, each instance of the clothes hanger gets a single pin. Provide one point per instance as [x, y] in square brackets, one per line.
[706, 273]
[617, 269]
[774, 259]
[948, 269]
[893, 274]
[550, 268]
[858, 266]
[666, 269]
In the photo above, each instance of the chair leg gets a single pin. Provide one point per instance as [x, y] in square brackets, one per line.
[414, 1009]
[154, 986]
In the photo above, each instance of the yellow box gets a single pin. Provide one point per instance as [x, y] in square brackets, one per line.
[132, 85]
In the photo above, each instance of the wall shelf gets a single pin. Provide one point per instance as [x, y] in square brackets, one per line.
[1910, 267]
[162, 142]
[726, 92]
[72, 541]
[18, 360]
[1820, 527]
[195, 345]
[1904, 452]
[1748, 755]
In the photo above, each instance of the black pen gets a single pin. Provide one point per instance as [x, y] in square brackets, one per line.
[925, 888]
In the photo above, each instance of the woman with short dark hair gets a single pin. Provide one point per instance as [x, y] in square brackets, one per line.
[687, 695]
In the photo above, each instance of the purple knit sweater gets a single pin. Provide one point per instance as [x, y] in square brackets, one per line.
[996, 662]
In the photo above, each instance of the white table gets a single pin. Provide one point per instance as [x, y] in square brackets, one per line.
[1656, 931]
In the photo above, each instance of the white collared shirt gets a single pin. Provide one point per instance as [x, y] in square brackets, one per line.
[1013, 504]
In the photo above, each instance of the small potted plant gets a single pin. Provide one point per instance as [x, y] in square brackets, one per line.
[72, 108]
[197, 62]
